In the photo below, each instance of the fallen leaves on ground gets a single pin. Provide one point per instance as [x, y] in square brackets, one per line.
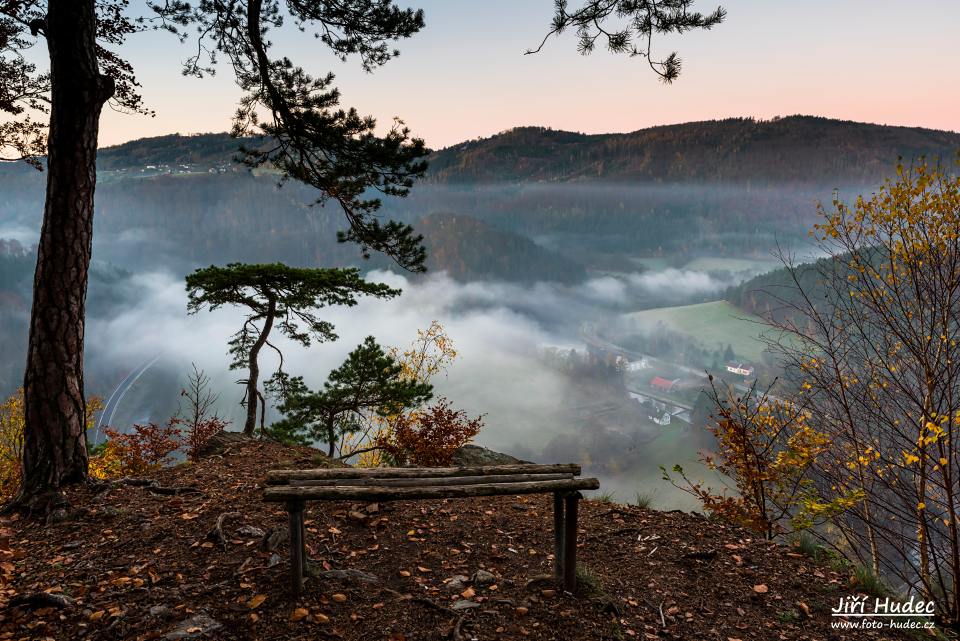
[140, 566]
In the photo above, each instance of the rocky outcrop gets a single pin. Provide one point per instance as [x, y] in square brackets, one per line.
[221, 442]
[476, 455]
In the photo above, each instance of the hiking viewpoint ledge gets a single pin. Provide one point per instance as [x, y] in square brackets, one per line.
[211, 564]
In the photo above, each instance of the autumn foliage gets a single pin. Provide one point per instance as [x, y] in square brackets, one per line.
[11, 440]
[195, 434]
[431, 436]
[146, 449]
[428, 356]
[11, 444]
[767, 448]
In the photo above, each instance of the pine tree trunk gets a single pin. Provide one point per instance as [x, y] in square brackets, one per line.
[331, 436]
[253, 366]
[54, 452]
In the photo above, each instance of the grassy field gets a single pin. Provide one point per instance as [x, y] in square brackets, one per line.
[715, 263]
[673, 446]
[712, 324]
[709, 264]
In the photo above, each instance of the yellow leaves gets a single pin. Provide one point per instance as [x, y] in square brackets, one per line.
[12, 424]
[921, 505]
[909, 458]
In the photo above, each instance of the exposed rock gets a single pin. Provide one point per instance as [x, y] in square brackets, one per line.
[457, 583]
[221, 442]
[483, 578]
[160, 611]
[193, 628]
[250, 531]
[476, 455]
[274, 538]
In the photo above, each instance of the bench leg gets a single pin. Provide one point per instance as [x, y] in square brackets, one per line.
[295, 511]
[570, 543]
[304, 559]
[558, 534]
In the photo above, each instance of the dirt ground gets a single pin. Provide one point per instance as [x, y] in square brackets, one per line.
[134, 563]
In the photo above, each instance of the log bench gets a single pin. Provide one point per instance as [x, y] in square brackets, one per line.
[295, 487]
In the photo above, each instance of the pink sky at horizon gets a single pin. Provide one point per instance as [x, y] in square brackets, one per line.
[844, 59]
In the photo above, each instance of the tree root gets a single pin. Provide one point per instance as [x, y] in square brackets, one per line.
[625, 530]
[153, 486]
[457, 631]
[347, 575]
[216, 533]
[41, 600]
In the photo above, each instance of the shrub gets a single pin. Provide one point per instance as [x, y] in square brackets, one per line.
[146, 449]
[430, 437]
[194, 435]
[197, 426]
[767, 447]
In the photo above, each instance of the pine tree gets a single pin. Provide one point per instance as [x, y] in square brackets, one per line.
[369, 380]
[278, 297]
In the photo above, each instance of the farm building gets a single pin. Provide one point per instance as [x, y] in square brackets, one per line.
[663, 384]
[743, 369]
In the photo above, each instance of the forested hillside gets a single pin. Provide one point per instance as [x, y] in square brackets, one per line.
[469, 249]
[729, 188]
[796, 149]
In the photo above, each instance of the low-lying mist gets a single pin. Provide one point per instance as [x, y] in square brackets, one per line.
[531, 409]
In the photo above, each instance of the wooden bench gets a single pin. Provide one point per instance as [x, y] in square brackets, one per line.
[296, 487]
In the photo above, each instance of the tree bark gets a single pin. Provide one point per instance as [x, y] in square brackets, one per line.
[54, 452]
[253, 394]
[331, 437]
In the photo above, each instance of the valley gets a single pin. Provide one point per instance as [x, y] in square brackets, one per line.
[639, 247]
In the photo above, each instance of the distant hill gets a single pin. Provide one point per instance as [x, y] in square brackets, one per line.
[795, 149]
[729, 188]
[469, 249]
[790, 149]
[174, 149]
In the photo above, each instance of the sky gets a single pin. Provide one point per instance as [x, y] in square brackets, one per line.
[466, 76]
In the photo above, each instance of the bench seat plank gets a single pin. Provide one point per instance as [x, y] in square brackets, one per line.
[275, 477]
[435, 481]
[389, 493]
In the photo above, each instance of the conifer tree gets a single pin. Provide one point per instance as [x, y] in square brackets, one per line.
[369, 380]
[280, 297]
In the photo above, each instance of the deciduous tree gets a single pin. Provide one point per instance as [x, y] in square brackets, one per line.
[869, 336]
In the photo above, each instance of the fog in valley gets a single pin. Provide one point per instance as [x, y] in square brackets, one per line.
[565, 302]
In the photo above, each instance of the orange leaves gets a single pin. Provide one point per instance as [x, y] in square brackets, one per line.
[148, 447]
[299, 613]
[430, 437]
[256, 601]
[767, 446]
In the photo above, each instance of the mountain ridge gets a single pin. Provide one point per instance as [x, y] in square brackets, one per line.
[794, 149]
